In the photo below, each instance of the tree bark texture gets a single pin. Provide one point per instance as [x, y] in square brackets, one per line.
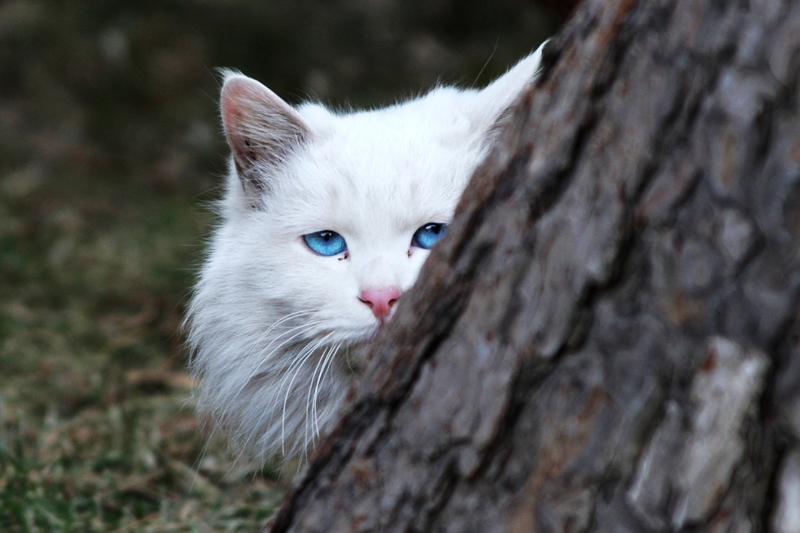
[608, 338]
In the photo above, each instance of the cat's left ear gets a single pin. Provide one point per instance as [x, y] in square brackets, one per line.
[262, 130]
[498, 96]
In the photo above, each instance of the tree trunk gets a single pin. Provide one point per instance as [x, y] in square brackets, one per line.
[608, 338]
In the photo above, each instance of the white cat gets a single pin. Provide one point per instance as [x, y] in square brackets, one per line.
[326, 221]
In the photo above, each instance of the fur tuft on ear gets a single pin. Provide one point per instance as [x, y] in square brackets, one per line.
[498, 96]
[262, 130]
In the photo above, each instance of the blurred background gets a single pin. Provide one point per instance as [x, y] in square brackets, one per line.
[110, 154]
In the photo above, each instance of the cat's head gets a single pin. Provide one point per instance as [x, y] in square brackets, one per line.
[340, 210]
[326, 221]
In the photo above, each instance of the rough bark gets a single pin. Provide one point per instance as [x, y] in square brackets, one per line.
[608, 339]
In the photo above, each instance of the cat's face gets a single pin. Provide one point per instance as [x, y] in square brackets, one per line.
[352, 217]
[326, 222]
[339, 224]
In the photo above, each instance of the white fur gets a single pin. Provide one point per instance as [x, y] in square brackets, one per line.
[278, 332]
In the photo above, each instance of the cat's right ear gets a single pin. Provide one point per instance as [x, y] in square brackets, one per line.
[262, 130]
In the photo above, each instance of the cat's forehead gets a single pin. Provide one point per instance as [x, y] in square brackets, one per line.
[372, 192]
[439, 117]
[395, 165]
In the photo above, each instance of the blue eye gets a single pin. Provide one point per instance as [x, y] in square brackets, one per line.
[326, 242]
[428, 235]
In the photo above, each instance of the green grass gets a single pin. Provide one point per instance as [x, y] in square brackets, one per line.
[122, 467]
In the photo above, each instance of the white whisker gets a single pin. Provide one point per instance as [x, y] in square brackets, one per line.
[302, 358]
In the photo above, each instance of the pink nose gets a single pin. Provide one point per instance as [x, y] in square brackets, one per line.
[380, 301]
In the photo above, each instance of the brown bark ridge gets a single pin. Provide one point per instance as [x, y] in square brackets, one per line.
[608, 338]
